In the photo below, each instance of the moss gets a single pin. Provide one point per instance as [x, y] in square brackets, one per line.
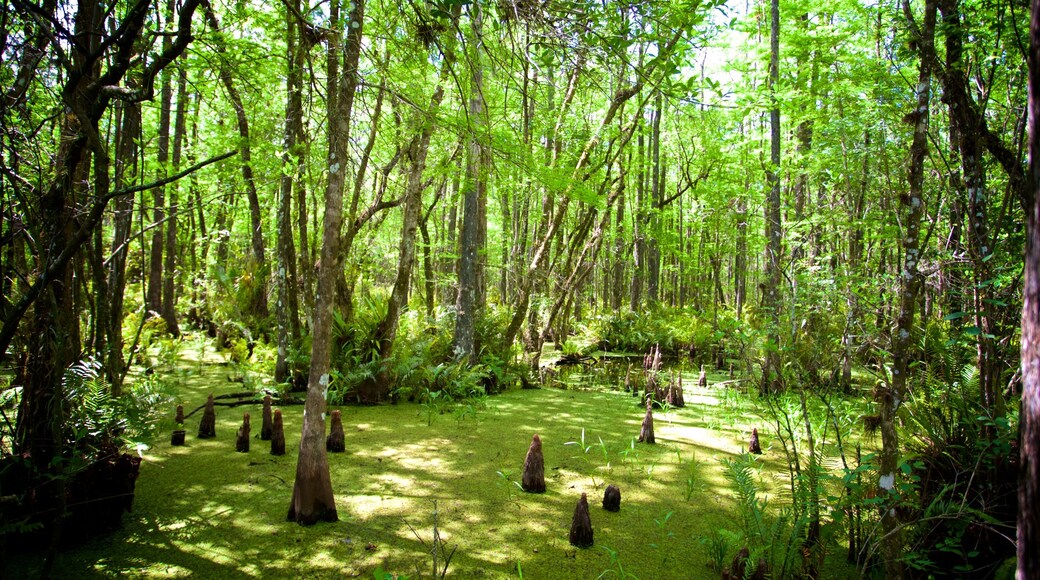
[207, 511]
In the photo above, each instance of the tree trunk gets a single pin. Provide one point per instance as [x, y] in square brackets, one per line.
[169, 311]
[653, 254]
[155, 259]
[740, 259]
[772, 381]
[1029, 415]
[312, 498]
[639, 219]
[416, 154]
[258, 305]
[968, 139]
[910, 285]
[288, 311]
[127, 139]
[473, 194]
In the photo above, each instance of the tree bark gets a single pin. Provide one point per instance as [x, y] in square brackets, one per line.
[1029, 415]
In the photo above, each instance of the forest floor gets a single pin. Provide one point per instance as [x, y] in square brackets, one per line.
[205, 510]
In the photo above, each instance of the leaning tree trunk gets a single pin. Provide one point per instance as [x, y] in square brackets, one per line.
[386, 332]
[258, 306]
[312, 498]
[1029, 416]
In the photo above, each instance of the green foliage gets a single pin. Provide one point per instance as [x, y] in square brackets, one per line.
[718, 544]
[421, 366]
[961, 483]
[675, 331]
[97, 422]
[616, 569]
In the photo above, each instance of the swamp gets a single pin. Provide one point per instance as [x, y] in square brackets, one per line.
[520, 289]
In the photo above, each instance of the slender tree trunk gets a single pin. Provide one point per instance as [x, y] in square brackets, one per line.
[312, 498]
[258, 307]
[653, 254]
[169, 310]
[639, 220]
[910, 286]
[288, 311]
[126, 162]
[155, 257]
[1029, 416]
[196, 196]
[772, 382]
[617, 283]
[740, 259]
[473, 195]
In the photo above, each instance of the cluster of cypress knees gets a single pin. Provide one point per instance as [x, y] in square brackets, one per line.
[272, 429]
[533, 481]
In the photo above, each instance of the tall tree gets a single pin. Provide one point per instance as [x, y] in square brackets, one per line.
[772, 381]
[912, 211]
[95, 56]
[288, 311]
[473, 194]
[312, 498]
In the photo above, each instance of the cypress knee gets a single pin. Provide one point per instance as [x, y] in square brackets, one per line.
[277, 434]
[738, 568]
[336, 441]
[265, 427]
[753, 446]
[177, 438]
[702, 380]
[242, 441]
[612, 498]
[208, 424]
[680, 401]
[646, 433]
[534, 468]
[581, 524]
